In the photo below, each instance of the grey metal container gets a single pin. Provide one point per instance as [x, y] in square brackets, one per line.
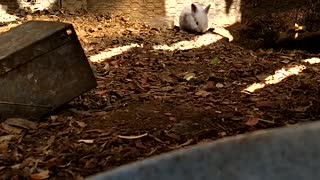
[278, 154]
[42, 66]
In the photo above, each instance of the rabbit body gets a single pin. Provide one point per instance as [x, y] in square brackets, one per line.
[194, 18]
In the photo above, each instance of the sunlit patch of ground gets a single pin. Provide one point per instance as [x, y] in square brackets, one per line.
[279, 76]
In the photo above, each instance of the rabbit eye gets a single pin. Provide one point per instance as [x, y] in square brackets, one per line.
[197, 23]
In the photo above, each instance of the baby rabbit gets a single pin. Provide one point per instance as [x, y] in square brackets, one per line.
[194, 19]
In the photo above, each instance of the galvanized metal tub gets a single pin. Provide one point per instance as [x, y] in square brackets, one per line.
[277, 154]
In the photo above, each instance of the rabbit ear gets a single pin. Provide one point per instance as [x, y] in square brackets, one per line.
[194, 8]
[206, 10]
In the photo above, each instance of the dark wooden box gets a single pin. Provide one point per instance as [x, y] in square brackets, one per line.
[42, 66]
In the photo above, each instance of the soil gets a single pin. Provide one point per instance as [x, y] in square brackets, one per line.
[151, 101]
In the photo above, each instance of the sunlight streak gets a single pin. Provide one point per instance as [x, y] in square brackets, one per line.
[37, 5]
[276, 78]
[110, 52]
[313, 60]
[203, 40]
[4, 16]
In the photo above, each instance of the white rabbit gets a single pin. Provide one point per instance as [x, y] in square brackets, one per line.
[194, 18]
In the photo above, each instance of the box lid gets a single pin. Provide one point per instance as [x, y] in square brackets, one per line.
[30, 40]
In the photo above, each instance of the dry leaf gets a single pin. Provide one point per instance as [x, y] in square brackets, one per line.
[81, 124]
[101, 92]
[208, 86]
[260, 104]
[167, 88]
[41, 175]
[87, 141]
[173, 136]
[11, 129]
[6, 138]
[133, 137]
[172, 119]
[115, 63]
[139, 144]
[3, 148]
[189, 76]
[23, 123]
[215, 61]
[286, 61]
[262, 77]
[91, 163]
[219, 85]
[202, 93]
[184, 144]
[53, 118]
[49, 143]
[78, 177]
[252, 121]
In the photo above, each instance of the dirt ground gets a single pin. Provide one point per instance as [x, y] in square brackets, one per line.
[151, 101]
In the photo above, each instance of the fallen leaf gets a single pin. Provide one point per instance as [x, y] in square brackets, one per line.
[168, 79]
[152, 151]
[104, 134]
[262, 77]
[50, 142]
[168, 114]
[53, 118]
[252, 121]
[222, 134]
[23, 123]
[172, 119]
[267, 121]
[27, 162]
[219, 85]
[139, 144]
[173, 136]
[95, 130]
[3, 148]
[202, 93]
[144, 79]
[189, 76]
[208, 86]
[41, 175]
[91, 163]
[286, 57]
[260, 104]
[11, 129]
[286, 61]
[182, 145]
[78, 177]
[101, 92]
[167, 88]
[87, 141]
[81, 124]
[115, 64]
[133, 137]
[6, 138]
[215, 61]
[237, 65]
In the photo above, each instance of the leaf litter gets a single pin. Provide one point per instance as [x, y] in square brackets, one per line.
[151, 101]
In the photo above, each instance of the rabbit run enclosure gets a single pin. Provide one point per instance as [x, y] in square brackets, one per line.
[161, 89]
